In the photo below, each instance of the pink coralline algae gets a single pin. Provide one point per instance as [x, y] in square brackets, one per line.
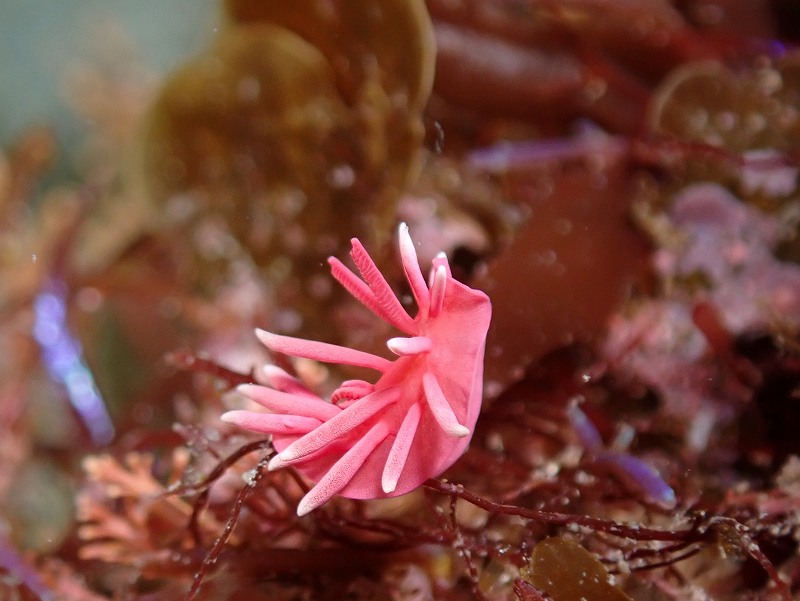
[720, 257]
[383, 439]
[731, 244]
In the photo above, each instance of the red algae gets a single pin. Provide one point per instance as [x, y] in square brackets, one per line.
[573, 262]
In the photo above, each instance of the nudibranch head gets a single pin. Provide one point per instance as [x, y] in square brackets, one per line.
[381, 439]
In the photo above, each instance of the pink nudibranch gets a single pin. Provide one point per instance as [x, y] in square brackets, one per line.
[383, 439]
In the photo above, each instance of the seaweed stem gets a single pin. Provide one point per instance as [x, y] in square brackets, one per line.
[622, 530]
[216, 549]
[188, 361]
[703, 529]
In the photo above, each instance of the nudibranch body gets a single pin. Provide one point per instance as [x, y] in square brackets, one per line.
[383, 439]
